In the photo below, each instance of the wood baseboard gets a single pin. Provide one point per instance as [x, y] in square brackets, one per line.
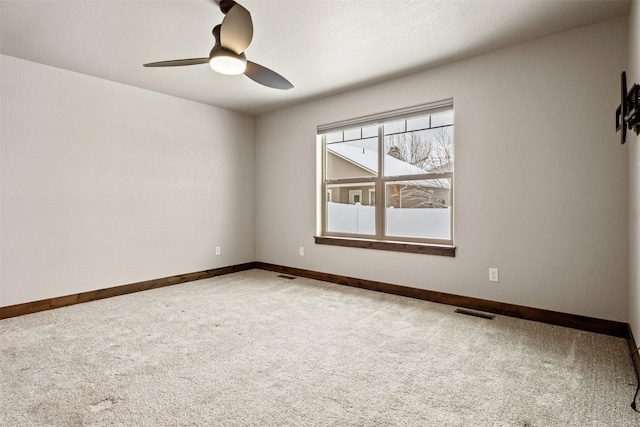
[635, 357]
[601, 326]
[51, 303]
[607, 327]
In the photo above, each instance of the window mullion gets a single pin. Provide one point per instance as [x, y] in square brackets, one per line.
[419, 177]
[380, 190]
[349, 180]
[323, 225]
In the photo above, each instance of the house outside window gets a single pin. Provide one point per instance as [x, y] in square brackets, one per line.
[390, 177]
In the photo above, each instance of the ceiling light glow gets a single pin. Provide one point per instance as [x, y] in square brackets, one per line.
[230, 65]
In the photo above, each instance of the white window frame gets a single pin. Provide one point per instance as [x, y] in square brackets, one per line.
[379, 182]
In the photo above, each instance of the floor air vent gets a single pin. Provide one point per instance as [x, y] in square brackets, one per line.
[474, 313]
[284, 276]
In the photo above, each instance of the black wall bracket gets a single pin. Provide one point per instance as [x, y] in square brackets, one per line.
[628, 112]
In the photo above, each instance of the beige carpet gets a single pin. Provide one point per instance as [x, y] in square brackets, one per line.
[252, 349]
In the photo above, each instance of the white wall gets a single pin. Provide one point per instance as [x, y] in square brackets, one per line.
[105, 184]
[633, 76]
[534, 137]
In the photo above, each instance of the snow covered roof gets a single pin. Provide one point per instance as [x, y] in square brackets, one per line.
[368, 160]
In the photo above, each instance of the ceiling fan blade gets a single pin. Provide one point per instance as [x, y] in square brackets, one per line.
[266, 77]
[178, 62]
[236, 30]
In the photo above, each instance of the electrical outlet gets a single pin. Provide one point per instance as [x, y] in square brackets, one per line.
[301, 251]
[493, 274]
[217, 250]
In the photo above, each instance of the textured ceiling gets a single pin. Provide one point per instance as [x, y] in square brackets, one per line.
[321, 46]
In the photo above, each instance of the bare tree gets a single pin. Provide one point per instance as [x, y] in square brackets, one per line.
[433, 153]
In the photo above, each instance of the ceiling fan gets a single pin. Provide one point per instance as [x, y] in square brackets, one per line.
[233, 37]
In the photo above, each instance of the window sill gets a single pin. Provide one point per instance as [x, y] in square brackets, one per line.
[415, 248]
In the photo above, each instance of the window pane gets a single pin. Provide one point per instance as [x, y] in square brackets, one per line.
[442, 119]
[394, 127]
[348, 209]
[353, 159]
[418, 123]
[352, 134]
[370, 131]
[418, 209]
[334, 137]
[419, 152]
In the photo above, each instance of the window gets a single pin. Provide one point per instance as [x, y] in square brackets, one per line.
[355, 197]
[389, 178]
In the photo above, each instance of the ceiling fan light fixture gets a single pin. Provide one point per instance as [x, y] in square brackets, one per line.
[227, 56]
[227, 62]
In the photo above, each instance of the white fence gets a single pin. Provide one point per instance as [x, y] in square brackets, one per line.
[419, 222]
